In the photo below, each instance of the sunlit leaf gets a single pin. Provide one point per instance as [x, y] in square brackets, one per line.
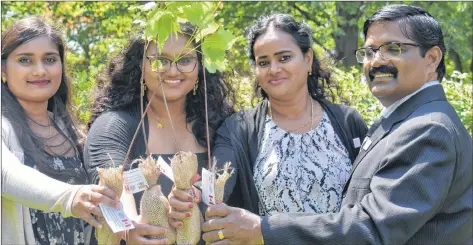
[198, 13]
[176, 6]
[149, 6]
[212, 66]
[162, 25]
[210, 29]
[194, 13]
[217, 43]
[214, 47]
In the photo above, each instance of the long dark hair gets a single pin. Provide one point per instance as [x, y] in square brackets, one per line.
[319, 83]
[416, 24]
[120, 89]
[21, 32]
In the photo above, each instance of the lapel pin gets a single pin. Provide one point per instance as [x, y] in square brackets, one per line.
[366, 143]
[356, 142]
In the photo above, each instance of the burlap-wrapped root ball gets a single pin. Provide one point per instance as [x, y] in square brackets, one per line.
[184, 166]
[112, 178]
[154, 205]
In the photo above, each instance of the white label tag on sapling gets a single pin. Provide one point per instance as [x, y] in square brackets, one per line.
[208, 187]
[116, 218]
[165, 168]
[134, 181]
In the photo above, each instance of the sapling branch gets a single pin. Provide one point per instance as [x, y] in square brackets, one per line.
[207, 133]
[142, 91]
[137, 129]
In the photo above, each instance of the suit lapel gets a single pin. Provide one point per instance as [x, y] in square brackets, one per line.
[427, 95]
[380, 130]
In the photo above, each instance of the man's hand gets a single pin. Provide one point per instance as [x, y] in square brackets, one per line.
[235, 225]
[137, 236]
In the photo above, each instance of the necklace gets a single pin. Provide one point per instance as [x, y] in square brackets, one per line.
[310, 121]
[159, 124]
[49, 147]
[42, 125]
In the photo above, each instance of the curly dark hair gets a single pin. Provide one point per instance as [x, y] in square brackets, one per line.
[119, 89]
[20, 32]
[319, 83]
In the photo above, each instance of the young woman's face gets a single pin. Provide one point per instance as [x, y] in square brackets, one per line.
[33, 70]
[177, 67]
[281, 67]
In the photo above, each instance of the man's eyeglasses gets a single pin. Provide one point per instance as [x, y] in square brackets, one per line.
[183, 64]
[386, 51]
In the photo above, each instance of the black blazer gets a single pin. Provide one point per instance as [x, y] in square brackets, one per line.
[410, 184]
[239, 138]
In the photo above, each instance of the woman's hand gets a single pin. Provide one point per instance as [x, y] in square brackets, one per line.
[232, 226]
[87, 199]
[141, 230]
[181, 203]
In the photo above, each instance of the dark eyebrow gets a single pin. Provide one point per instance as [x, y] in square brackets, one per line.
[390, 42]
[283, 52]
[186, 53]
[277, 53]
[31, 54]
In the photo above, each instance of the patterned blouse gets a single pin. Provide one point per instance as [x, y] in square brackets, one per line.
[301, 172]
[52, 228]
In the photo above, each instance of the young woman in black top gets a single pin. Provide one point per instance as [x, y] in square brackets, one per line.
[116, 111]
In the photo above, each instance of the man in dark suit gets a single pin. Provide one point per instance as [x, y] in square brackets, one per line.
[412, 181]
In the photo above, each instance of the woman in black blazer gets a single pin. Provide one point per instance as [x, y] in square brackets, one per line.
[294, 151]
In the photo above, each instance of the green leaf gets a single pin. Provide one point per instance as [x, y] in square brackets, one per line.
[176, 6]
[212, 66]
[214, 47]
[217, 42]
[198, 13]
[163, 24]
[193, 13]
[210, 29]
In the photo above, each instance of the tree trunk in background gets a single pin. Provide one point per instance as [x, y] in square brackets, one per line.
[452, 54]
[346, 39]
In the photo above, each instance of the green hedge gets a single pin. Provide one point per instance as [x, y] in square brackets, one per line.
[457, 86]
[354, 91]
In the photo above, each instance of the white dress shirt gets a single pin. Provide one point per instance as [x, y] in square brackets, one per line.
[390, 109]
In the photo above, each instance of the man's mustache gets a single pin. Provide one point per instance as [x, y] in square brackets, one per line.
[382, 69]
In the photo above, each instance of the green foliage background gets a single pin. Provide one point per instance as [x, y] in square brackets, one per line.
[96, 31]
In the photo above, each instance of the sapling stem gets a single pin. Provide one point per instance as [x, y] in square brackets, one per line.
[142, 91]
[137, 129]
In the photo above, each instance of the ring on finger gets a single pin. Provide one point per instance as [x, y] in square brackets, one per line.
[220, 235]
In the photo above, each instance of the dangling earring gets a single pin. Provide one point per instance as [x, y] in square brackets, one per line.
[4, 80]
[310, 73]
[195, 87]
